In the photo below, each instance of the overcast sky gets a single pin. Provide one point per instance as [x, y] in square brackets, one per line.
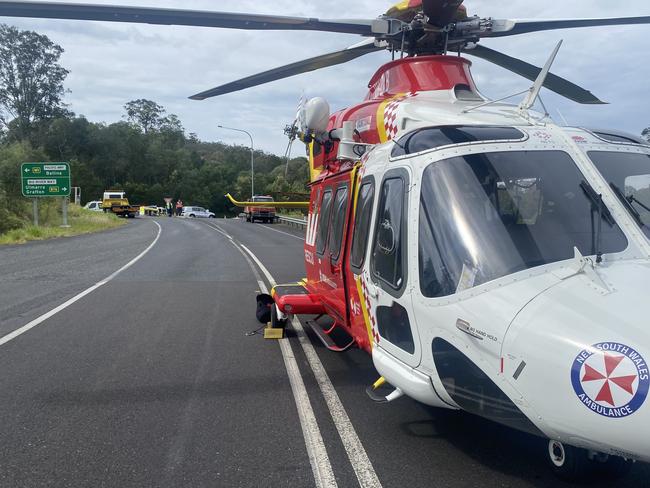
[113, 63]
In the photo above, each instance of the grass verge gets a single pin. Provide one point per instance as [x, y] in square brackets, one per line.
[81, 221]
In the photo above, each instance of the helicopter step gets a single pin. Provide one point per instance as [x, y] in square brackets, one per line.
[325, 335]
[373, 392]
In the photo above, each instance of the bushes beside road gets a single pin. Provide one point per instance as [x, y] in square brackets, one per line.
[16, 211]
[81, 221]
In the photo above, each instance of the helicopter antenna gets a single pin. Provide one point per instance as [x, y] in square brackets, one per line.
[287, 157]
[533, 93]
[546, 114]
[293, 131]
[562, 117]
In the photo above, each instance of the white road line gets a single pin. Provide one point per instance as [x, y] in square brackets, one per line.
[281, 232]
[316, 451]
[320, 463]
[76, 298]
[357, 455]
[266, 272]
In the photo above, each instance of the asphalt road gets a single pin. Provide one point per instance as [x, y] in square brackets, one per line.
[151, 380]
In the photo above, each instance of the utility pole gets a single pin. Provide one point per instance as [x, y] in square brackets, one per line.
[252, 162]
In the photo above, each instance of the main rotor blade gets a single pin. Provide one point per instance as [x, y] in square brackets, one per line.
[441, 12]
[553, 82]
[304, 66]
[507, 27]
[167, 16]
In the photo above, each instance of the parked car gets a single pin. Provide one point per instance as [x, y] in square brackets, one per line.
[198, 212]
[95, 206]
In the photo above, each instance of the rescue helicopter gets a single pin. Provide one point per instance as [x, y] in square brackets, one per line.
[487, 259]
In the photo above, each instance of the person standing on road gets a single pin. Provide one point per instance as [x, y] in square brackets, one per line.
[179, 207]
[170, 208]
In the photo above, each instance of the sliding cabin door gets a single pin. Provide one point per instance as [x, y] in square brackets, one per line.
[330, 244]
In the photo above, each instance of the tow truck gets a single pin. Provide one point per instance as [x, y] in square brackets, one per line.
[115, 201]
[265, 214]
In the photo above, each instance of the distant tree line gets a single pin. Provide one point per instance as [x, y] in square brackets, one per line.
[148, 154]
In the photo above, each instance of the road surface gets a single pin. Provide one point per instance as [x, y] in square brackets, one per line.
[149, 379]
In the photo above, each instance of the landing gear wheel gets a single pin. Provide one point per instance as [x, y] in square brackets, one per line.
[276, 322]
[568, 462]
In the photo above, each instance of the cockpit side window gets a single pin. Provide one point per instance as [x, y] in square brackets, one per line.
[484, 216]
[388, 251]
[628, 174]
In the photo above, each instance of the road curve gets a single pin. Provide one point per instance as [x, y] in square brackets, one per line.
[151, 380]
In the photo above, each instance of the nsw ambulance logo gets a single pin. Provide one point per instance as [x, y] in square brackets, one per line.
[611, 379]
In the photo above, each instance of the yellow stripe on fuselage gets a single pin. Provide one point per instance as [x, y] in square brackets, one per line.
[364, 310]
[381, 125]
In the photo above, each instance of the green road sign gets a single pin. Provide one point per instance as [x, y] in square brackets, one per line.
[45, 179]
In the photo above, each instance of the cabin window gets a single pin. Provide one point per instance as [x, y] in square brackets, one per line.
[312, 219]
[338, 221]
[323, 224]
[388, 247]
[620, 138]
[362, 217]
[394, 326]
[484, 216]
[432, 137]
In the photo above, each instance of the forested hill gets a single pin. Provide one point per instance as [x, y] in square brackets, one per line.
[147, 153]
[147, 165]
[151, 165]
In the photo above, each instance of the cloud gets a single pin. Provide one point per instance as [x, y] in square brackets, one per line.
[111, 64]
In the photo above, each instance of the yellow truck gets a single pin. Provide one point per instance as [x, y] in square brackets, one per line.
[115, 201]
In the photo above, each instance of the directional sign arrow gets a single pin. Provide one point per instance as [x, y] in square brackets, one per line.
[45, 179]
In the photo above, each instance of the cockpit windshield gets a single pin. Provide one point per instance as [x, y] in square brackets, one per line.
[484, 216]
[629, 176]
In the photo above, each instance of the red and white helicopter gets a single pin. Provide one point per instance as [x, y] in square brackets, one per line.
[488, 259]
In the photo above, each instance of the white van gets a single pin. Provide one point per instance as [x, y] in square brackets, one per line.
[95, 206]
[193, 212]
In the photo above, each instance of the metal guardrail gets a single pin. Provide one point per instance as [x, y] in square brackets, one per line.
[292, 222]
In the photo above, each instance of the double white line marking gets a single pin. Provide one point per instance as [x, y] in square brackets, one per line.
[321, 466]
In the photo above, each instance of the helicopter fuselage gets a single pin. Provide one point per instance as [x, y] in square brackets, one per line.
[481, 255]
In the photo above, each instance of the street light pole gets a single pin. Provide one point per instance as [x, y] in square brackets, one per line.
[252, 170]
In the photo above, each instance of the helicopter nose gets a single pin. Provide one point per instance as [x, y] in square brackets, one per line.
[583, 348]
